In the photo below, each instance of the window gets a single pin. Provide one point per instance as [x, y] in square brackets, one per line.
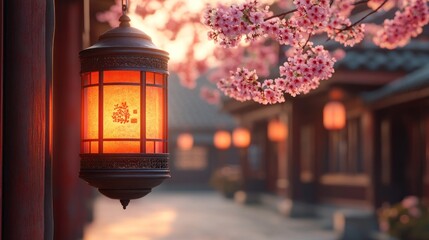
[193, 159]
[344, 153]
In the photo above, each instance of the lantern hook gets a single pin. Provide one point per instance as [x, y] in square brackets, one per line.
[124, 6]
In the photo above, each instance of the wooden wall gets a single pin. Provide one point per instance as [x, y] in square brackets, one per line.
[25, 117]
[1, 108]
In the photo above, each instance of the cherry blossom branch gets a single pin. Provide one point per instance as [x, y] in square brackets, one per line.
[308, 39]
[281, 14]
[360, 2]
[364, 17]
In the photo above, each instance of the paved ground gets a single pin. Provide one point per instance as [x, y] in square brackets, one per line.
[195, 216]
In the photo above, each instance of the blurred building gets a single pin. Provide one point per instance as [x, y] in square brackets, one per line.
[188, 113]
[380, 155]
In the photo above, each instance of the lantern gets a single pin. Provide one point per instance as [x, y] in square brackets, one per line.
[277, 130]
[241, 137]
[124, 113]
[222, 140]
[334, 115]
[185, 141]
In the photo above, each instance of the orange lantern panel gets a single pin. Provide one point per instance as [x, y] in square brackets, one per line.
[241, 137]
[334, 116]
[185, 141]
[277, 130]
[121, 128]
[222, 139]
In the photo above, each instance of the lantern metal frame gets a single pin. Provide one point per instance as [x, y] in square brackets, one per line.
[126, 176]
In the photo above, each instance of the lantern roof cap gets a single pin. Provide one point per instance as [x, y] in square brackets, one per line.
[122, 38]
[124, 47]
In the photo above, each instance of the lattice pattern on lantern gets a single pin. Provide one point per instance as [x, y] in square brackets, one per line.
[115, 104]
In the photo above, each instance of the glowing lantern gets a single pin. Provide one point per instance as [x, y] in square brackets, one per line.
[241, 137]
[124, 113]
[222, 140]
[334, 115]
[277, 130]
[185, 141]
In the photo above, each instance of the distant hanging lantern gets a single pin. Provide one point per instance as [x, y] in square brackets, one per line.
[185, 141]
[241, 137]
[222, 140]
[277, 130]
[334, 115]
[124, 113]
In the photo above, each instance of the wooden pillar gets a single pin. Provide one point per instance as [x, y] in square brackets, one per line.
[1, 107]
[25, 116]
[70, 193]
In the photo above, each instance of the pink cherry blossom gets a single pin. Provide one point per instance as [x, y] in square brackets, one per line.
[338, 54]
[406, 24]
[298, 75]
[251, 37]
[410, 201]
[211, 96]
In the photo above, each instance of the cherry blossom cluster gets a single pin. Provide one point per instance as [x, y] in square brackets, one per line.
[340, 27]
[311, 15]
[341, 30]
[248, 57]
[243, 85]
[211, 96]
[241, 66]
[301, 73]
[406, 24]
[305, 69]
[230, 24]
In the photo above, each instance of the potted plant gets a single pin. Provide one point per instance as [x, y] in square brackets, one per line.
[227, 180]
[407, 220]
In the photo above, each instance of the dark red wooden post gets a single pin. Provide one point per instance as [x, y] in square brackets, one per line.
[24, 119]
[1, 108]
[70, 193]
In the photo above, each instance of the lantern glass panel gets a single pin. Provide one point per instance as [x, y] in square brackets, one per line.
[150, 147]
[154, 112]
[121, 77]
[159, 79]
[150, 78]
[121, 112]
[90, 113]
[121, 146]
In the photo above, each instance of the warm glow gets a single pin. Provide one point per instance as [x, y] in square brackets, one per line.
[185, 141]
[277, 130]
[125, 128]
[222, 139]
[241, 137]
[110, 222]
[178, 47]
[334, 116]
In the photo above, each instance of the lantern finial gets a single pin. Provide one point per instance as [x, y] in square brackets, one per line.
[125, 21]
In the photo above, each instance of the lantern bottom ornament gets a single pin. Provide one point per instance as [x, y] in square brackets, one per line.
[124, 176]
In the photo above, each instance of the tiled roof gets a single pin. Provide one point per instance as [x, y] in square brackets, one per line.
[370, 57]
[412, 81]
[187, 111]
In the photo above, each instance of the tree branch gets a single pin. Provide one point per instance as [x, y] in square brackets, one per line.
[281, 14]
[360, 2]
[294, 10]
[308, 39]
[364, 17]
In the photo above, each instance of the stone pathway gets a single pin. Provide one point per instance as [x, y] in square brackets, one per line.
[195, 216]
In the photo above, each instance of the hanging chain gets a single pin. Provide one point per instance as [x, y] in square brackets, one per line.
[124, 6]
